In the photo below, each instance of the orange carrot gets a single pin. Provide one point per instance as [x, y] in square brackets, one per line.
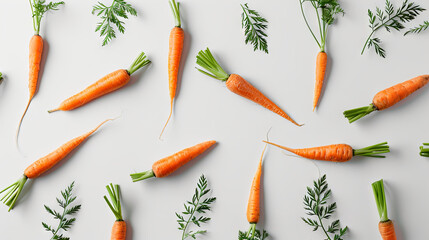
[237, 84]
[388, 97]
[337, 152]
[177, 36]
[385, 226]
[322, 60]
[42, 165]
[105, 85]
[119, 229]
[168, 165]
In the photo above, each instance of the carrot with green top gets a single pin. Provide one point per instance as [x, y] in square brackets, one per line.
[337, 152]
[385, 226]
[236, 84]
[42, 165]
[105, 85]
[388, 97]
[170, 164]
[119, 229]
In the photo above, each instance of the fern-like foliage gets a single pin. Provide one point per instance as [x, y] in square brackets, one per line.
[254, 28]
[422, 27]
[257, 236]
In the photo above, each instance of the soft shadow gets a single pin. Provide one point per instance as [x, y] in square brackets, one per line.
[129, 235]
[25, 193]
[392, 196]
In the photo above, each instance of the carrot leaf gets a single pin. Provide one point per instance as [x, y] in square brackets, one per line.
[176, 12]
[252, 234]
[140, 62]
[380, 200]
[38, 9]
[422, 27]
[358, 113]
[142, 175]
[206, 60]
[373, 151]
[424, 152]
[1, 77]
[254, 26]
[115, 200]
[13, 192]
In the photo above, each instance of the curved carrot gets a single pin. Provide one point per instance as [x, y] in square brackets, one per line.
[168, 165]
[42, 165]
[385, 226]
[388, 97]
[119, 229]
[237, 84]
[337, 152]
[105, 85]
[321, 62]
[177, 36]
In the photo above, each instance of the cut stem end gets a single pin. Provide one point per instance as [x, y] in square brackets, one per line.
[142, 176]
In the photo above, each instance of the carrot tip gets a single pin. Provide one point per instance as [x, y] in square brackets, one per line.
[53, 110]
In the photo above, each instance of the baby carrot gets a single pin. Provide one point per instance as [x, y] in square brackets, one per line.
[385, 226]
[119, 229]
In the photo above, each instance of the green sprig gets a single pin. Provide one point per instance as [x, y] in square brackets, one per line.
[252, 234]
[115, 201]
[254, 26]
[38, 9]
[422, 27]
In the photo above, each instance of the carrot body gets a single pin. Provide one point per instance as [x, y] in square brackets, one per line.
[45, 163]
[240, 86]
[36, 49]
[166, 166]
[253, 205]
[119, 230]
[394, 94]
[321, 62]
[387, 230]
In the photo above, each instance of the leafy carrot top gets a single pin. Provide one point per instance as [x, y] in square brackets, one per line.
[38, 9]
[206, 60]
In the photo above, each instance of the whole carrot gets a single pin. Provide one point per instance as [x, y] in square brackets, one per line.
[177, 36]
[388, 97]
[168, 165]
[385, 226]
[38, 9]
[105, 85]
[42, 165]
[236, 84]
[119, 229]
[338, 152]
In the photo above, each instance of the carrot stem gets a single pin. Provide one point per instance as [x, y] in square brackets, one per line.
[358, 113]
[115, 200]
[206, 60]
[424, 152]
[1, 77]
[380, 200]
[140, 62]
[14, 191]
[373, 151]
[251, 232]
[142, 175]
[176, 12]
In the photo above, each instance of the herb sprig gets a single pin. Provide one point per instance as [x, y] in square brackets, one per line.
[422, 27]
[38, 9]
[257, 236]
[110, 16]
[389, 19]
[254, 26]
[67, 210]
[198, 205]
[316, 204]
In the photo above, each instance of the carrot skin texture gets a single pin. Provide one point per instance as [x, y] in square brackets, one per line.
[394, 94]
[119, 230]
[168, 165]
[253, 205]
[36, 50]
[240, 86]
[387, 230]
[321, 62]
[176, 40]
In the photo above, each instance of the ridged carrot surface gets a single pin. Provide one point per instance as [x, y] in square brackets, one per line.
[321, 62]
[387, 230]
[253, 205]
[119, 230]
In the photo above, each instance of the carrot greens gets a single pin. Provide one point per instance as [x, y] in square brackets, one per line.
[38, 9]
[254, 26]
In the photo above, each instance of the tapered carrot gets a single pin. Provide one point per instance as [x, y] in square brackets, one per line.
[236, 84]
[385, 226]
[168, 165]
[338, 152]
[42, 165]
[105, 85]
[321, 62]
[38, 9]
[177, 36]
[388, 97]
[119, 229]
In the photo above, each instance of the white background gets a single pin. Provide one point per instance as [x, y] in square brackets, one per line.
[205, 110]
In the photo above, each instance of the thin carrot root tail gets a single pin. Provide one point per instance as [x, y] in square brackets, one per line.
[13, 192]
[358, 113]
[373, 151]
[168, 120]
[20, 123]
[54, 110]
[282, 147]
[99, 125]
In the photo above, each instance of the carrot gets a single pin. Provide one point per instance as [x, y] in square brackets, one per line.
[388, 97]
[105, 85]
[42, 165]
[177, 36]
[322, 60]
[385, 226]
[168, 165]
[119, 229]
[237, 84]
[337, 152]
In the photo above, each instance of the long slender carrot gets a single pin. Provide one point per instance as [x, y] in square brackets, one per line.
[337, 152]
[105, 85]
[177, 36]
[237, 84]
[42, 165]
[385, 226]
[321, 62]
[168, 165]
[119, 229]
[388, 97]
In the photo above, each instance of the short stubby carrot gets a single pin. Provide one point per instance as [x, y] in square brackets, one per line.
[105, 85]
[385, 226]
[337, 152]
[388, 97]
[119, 229]
[321, 62]
[168, 165]
[177, 36]
[42, 165]
[236, 84]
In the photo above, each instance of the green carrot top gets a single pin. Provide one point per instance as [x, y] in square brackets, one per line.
[212, 68]
[115, 200]
[138, 63]
[38, 9]
[380, 200]
[373, 151]
[176, 12]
